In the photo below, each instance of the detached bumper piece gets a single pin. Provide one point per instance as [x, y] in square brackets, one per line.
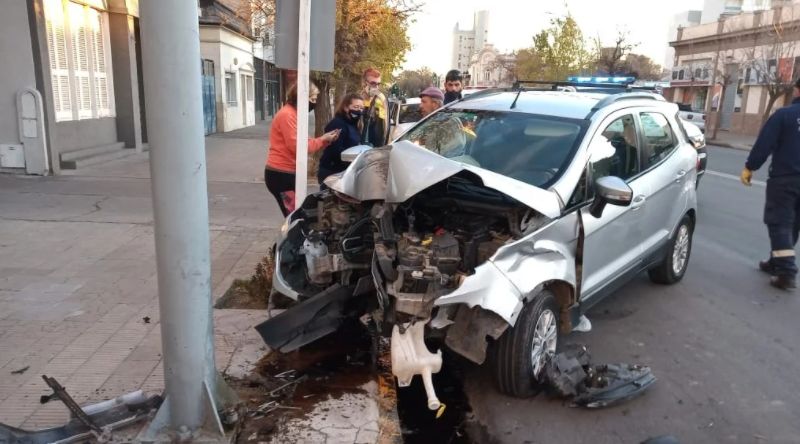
[570, 374]
[93, 421]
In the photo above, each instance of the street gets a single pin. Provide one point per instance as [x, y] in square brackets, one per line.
[722, 343]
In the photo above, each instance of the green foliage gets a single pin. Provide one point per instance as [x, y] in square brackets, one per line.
[411, 83]
[557, 52]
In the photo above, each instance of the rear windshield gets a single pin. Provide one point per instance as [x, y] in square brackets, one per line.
[530, 148]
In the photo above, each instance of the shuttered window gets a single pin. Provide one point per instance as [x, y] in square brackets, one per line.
[78, 44]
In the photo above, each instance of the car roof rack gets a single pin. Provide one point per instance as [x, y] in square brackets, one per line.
[556, 84]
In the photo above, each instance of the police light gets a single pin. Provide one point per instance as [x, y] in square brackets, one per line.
[594, 79]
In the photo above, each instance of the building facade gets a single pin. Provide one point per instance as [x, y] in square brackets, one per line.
[728, 67]
[226, 46]
[71, 92]
[489, 68]
[467, 42]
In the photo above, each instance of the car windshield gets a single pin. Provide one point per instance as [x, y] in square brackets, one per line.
[409, 113]
[530, 148]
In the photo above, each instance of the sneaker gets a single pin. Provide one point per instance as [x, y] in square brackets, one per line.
[783, 282]
[766, 267]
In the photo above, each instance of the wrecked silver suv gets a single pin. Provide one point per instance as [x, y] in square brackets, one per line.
[491, 227]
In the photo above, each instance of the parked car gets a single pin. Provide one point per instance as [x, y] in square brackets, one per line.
[404, 115]
[490, 228]
[698, 140]
[697, 118]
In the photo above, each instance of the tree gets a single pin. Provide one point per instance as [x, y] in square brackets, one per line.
[412, 82]
[642, 67]
[557, 52]
[369, 33]
[773, 63]
[610, 59]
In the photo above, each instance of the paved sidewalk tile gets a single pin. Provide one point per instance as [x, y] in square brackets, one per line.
[92, 321]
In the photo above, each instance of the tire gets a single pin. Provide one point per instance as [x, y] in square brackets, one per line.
[512, 354]
[675, 263]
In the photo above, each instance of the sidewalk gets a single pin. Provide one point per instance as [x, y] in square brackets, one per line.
[78, 285]
[731, 140]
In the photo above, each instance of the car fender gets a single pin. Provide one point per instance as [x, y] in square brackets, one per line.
[519, 270]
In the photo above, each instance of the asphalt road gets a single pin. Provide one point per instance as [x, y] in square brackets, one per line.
[722, 343]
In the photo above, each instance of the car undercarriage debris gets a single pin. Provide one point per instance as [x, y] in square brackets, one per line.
[570, 374]
[92, 421]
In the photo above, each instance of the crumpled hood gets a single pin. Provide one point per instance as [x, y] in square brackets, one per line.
[397, 172]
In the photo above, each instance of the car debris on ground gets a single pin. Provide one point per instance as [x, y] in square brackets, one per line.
[96, 421]
[570, 374]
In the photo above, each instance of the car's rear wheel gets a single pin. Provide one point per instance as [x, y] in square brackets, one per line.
[519, 356]
[674, 265]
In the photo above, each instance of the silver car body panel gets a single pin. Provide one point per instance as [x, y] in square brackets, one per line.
[398, 172]
[519, 269]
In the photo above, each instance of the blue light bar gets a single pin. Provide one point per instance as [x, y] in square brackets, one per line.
[617, 80]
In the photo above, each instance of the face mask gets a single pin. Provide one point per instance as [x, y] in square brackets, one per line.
[356, 114]
[311, 106]
[451, 96]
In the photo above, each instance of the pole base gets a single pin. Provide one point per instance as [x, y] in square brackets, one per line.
[160, 429]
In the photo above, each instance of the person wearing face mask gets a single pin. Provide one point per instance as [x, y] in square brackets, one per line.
[347, 121]
[375, 130]
[279, 173]
[453, 83]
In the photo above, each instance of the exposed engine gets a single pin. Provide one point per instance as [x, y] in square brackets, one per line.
[401, 258]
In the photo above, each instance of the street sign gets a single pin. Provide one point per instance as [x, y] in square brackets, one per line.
[323, 34]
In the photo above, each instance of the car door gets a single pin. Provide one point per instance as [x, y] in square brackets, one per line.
[612, 242]
[668, 171]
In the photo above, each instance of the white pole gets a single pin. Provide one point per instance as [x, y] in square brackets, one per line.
[303, 42]
[171, 67]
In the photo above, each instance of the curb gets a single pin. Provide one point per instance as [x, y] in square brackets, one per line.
[724, 144]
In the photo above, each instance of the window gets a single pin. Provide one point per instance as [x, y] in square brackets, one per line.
[249, 87]
[697, 73]
[615, 152]
[674, 75]
[80, 68]
[659, 140]
[230, 88]
[680, 75]
[530, 148]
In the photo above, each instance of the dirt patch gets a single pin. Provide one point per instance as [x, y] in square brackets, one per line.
[253, 293]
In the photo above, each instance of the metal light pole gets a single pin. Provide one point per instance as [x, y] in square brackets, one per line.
[171, 66]
[303, 66]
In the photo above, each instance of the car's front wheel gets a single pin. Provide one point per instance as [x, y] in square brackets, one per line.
[519, 356]
[674, 265]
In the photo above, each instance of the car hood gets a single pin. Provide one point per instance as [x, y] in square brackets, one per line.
[397, 172]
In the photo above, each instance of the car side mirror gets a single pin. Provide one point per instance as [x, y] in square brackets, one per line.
[610, 190]
[695, 135]
[352, 153]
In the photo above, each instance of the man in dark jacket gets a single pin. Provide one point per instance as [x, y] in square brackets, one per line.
[780, 138]
[453, 84]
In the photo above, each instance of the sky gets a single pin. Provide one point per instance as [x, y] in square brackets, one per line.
[512, 24]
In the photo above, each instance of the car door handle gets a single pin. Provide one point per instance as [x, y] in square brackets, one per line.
[638, 201]
[680, 175]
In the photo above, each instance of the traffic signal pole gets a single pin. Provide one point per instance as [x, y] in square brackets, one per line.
[303, 67]
[172, 84]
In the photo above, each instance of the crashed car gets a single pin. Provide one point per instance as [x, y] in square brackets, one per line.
[491, 227]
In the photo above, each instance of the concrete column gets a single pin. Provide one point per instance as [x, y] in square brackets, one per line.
[126, 80]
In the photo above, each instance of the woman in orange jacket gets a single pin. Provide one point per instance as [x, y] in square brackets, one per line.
[279, 173]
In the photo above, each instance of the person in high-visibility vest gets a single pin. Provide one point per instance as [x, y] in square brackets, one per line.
[375, 130]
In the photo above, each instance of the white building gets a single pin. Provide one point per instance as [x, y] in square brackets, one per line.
[226, 47]
[466, 42]
[489, 68]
